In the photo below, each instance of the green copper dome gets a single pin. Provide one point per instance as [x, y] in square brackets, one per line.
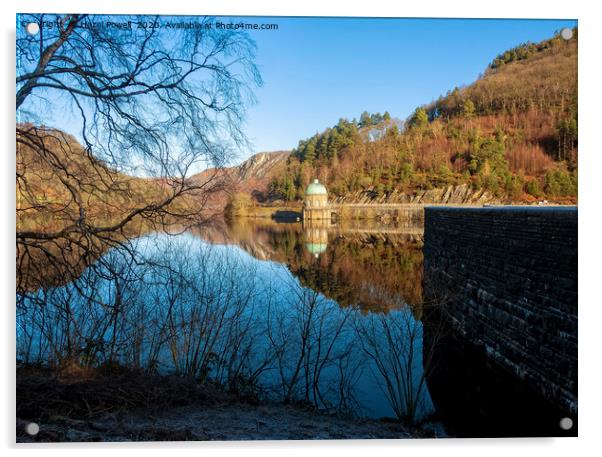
[315, 188]
[316, 248]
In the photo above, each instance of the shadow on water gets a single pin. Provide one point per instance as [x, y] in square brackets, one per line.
[475, 398]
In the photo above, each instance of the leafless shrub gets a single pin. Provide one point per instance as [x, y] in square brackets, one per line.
[312, 343]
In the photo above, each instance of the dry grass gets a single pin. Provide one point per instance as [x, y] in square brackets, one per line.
[78, 393]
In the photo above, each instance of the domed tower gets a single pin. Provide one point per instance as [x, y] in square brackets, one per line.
[315, 203]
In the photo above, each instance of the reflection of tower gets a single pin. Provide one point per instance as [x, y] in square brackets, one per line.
[315, 232]
[315, 202]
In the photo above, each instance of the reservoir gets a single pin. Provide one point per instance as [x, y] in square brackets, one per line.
[340, 317]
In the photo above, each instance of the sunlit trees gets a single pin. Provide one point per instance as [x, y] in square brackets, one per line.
[526, 50]
[365, 119]
[567, 134]
[502, 133]
[239, 204]
[560, 182]
[468, 109]
[419, 119]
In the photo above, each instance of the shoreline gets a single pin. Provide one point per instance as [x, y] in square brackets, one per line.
[382, 212]
[117, 404]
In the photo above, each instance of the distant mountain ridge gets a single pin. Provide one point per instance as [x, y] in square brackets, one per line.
[252, 176]
[260, 165]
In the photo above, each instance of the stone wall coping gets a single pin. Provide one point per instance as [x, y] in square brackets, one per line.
[525, 208]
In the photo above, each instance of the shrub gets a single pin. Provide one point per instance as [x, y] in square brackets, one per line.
[491, 183]
[533, 188]
[513, 185]
[239, 205]
[560, 182]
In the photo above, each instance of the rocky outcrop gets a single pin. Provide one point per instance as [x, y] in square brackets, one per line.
[451, 194]
[260, 165]
[252, 176]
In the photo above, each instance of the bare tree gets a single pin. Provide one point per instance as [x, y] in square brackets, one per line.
[147, 105]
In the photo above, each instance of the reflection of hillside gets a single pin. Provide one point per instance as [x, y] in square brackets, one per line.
[53, 263]
[56, 262]
[262, 238]
[375, 269]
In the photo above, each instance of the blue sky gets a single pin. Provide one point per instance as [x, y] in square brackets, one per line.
[317, 70]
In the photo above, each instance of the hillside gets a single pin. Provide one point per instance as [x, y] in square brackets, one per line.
[511, 135]
[71, 207]
[54, 188]
[253, 176]
[60, 183]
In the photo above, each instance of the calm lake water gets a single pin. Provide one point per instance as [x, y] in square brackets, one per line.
[330, 316]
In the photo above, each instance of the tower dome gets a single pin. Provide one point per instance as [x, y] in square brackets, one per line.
[316, 188]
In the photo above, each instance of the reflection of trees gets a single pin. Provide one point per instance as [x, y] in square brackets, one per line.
[370, 265]
[313, 350]
[198, 312]
[189, 310]
[146, 102]
[374, 271]
[394, 345]
[206, 312]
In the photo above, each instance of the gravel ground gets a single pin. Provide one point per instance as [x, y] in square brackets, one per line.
[114, 403]
[220, 423]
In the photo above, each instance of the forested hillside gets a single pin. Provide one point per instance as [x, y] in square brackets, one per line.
[513, 132]
[61, 187]
[67, 185]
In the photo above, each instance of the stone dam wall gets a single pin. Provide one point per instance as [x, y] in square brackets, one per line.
[506, 278]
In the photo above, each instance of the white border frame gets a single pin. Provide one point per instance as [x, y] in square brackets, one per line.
[590, 316]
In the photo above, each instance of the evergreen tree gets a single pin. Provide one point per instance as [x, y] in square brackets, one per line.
[310, 151]
[468, 109]
[365, 119]
[419, 119]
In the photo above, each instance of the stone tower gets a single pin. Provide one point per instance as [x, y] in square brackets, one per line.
[315, 202]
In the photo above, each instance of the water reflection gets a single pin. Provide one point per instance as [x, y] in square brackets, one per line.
[360, 263]
[315, 232]
[323, 314]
